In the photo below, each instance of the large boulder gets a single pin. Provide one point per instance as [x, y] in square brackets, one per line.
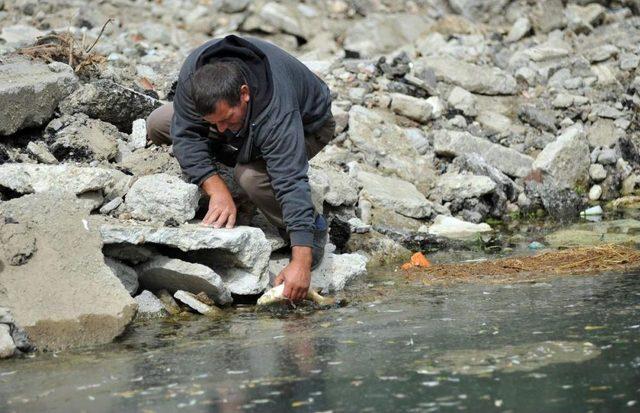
[30, 178]
[31, 91]
[566, 159]
[484, 80]
[395, 194]
[61, 292]
[455, 143]
[239, 255]
[171, 274]
[162, 197]
[110, 102]
[381, 33]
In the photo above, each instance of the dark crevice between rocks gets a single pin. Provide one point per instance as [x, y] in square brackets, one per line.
[7, 194]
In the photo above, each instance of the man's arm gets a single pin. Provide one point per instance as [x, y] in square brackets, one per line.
[285, 154]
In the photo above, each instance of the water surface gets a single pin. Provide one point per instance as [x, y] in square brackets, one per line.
[562, 344]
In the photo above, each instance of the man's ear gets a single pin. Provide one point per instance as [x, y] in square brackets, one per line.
[244, 93]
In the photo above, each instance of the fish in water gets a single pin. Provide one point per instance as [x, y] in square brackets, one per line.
[276, 295]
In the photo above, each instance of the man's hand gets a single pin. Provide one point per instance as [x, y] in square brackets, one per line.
[297, 275]
[222, 209]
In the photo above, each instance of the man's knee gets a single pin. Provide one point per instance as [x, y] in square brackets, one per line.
[247, 177]
[159, 125]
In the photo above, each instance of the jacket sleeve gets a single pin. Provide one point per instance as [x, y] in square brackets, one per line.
[189, 133]
[285, 154]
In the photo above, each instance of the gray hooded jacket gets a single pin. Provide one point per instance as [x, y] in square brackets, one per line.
[293, 102]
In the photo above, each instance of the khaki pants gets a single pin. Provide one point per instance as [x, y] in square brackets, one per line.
[251, 177]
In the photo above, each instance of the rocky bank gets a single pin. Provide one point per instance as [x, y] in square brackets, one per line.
[450, 113]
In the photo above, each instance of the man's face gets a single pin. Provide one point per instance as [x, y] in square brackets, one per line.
[230, 117]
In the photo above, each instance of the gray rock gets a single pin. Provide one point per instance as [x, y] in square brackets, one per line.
[454, 228]
[162, 197]
[99, 99]
[538, 118]
[418, 139]
[79, 138]
[601, 53]
[231, 6]
[285, 18]
[561, 203]
[162, 273]
[509, 161]
[30, 92]
[190, 300]
[20, 35]
[494, 122]
[150, 306]
[28, 178]
[111, 206]
[381, 33]
[335, 272]
[240, 255]
[456, 186]
[67, 268]
[597, 172]
[478, 9]
[341, 188]
[518, 30]
[463, 100]
[605, 110]
[548, 15]
[398, 195]
[629, 61]
[478, 79]
[566, 159]
[602, 133]
[138, 136]
[152, 160]
[385, 146]
[595, 192]
[40, 151]
[127, 275]
[7, 346]
[582, 19]
[413, 108]
[607, 157]
[476, 164]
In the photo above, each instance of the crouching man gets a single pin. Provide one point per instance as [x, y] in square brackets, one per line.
[249, 104]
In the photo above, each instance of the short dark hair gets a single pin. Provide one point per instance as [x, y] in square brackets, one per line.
[214, 82]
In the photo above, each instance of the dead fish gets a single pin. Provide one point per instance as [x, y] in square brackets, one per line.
[276, 296]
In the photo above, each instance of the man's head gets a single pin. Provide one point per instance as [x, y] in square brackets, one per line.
[221, 95]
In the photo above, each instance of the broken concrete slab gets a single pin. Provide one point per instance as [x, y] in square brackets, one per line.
[150, 306]
[193, 302]
[30, 178]
[39, 292]
[457, 186]
[240, 255]
[396, 194]
[162, 197]
[79, 138]
[455, 143]
[127, 275]
[486, 80]
[98, 100]
[335, 272]
[31, 91]
[173, 274]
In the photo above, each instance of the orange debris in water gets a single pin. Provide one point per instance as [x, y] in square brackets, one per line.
[419, 260]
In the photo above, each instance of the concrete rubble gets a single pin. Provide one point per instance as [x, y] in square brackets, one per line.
[449, 114]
